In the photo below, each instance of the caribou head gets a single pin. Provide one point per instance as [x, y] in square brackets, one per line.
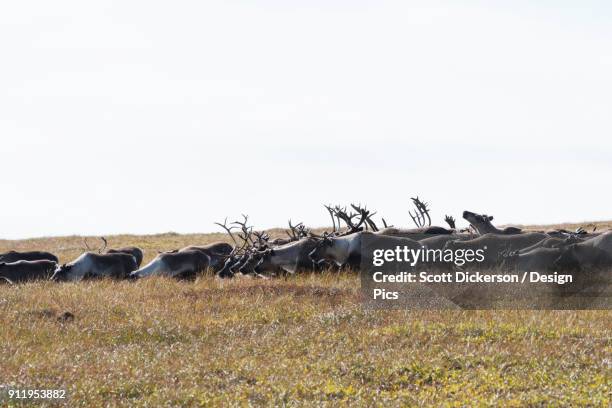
[482, 224]
[63, 273]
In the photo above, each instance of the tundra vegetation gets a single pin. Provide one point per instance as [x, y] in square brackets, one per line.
[298, 339]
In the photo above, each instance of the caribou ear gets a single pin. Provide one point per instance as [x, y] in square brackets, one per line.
[490, 218]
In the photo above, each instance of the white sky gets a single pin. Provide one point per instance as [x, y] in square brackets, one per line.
[150, 116]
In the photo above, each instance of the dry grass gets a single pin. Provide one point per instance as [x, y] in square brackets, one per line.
[304, 339]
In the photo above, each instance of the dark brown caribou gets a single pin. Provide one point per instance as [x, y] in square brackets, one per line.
[216, 252]
[482, 224]
[563, 258]
[495, 245]
[14, 256]
[24, 271]
[131, 250]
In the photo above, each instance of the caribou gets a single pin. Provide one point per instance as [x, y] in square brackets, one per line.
[216, 248]
[602, 241]
[91, 265]
[552, 242]
[597, 250]
[416, 234]
[24, 271]
[438, 241]
[292, 257]
[14, 256]
[353, 235]
[347, 250]
[571, 257]
[496, 245]
[482, 224]
[181, 265]
[216, 252]
[422, 221]
[131, 250]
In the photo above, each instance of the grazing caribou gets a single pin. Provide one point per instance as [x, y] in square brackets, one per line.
[24, 271]
[131, 250]
[552, 242]
[217, 253]
[91, 265]
[347, 250]
[572, 257]
[482, 224]
[184, 265]
[495, 245]
[292, 257]
[14, 256]
[584, 258]
[216, 248]
[602, 241]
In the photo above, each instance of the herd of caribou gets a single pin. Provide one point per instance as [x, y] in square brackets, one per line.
[255, 253]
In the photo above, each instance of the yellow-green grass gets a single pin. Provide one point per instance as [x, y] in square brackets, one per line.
[287, 341]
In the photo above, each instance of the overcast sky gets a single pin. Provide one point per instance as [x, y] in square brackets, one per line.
[149, 116]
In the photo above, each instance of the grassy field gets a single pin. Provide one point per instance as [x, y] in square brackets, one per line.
[290, 341]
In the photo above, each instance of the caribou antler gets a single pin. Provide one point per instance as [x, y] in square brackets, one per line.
[105, 245]
[228, 229]
[262, 239]
[302, 231]
[336, 214]
[422, 218]
[385, 223]
[341, 215]
[369, 222]
[450, 220]
[348, 220]
[246, 231]
[332, 215]
[297, 231]
[102, 248]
